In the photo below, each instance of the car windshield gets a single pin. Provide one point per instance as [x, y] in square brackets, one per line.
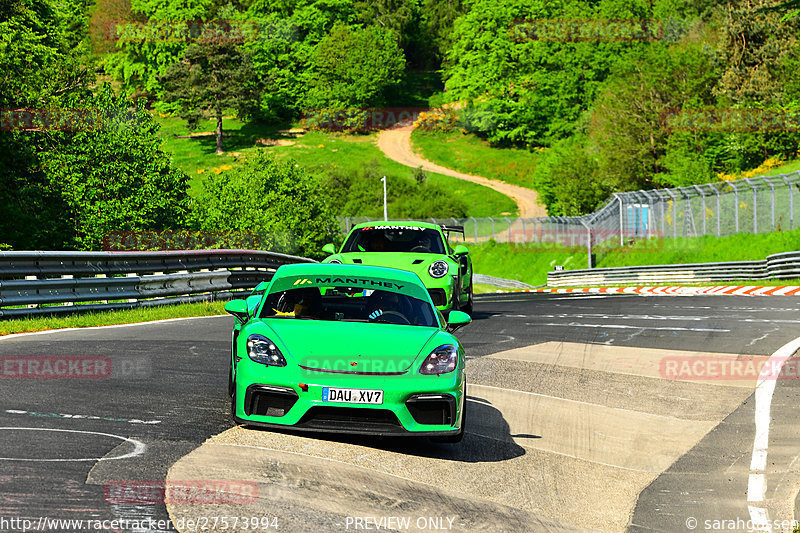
[395, 239]
[349, 304]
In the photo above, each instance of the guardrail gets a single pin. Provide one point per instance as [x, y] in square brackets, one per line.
[776, 266]
[500, 282]
[37, 283]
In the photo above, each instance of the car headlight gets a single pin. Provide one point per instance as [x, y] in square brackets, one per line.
[438, 269]
[441, 361]
[262, 350]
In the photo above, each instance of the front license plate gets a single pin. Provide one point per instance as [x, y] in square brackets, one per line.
[335, 395]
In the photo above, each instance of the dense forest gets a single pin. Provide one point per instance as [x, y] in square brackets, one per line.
[602, 91]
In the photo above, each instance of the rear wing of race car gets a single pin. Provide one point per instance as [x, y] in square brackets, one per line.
[453, 229]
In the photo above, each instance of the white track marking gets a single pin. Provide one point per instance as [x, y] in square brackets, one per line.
[82, 417]
[624, 326]
[26, 334]
[579, 402]
[757, 485]
[138, 447]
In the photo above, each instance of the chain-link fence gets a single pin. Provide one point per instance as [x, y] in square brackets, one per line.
[752, 205]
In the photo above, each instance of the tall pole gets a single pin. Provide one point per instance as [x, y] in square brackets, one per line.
[385, 211]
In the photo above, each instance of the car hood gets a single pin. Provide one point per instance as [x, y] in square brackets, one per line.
[336, 346]
[414, 262]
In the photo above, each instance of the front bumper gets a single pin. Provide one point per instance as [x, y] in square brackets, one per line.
[441, 291]
[412, 406]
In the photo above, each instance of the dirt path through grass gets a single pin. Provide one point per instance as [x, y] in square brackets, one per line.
[396, 145]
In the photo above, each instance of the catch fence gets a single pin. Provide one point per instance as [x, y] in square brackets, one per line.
[751, 205]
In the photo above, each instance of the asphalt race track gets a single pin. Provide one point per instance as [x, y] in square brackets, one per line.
[576, 423]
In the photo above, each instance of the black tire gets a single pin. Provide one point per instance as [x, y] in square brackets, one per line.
[230, 381]
[470, 302]
[233, 406]
[455, 439]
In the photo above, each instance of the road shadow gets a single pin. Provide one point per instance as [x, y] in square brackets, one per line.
[488, 438]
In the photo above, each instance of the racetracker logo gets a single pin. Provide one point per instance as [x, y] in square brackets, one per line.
[55, 367]
[360, 119]
[67, 119]
[203, 492]
[730, 120]
[212, 31]
[714, 368]
[589, 30]
[179, 240]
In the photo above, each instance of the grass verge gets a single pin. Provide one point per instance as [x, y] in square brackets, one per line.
[318, 152]
[530, 263]
[110, 318]
[472, 155]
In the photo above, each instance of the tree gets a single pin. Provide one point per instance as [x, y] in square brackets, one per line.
[352, 66]
[143, 57]
[211, 78]
[438, 19]
[628, 119]
[115, 176]
[38, 71]
[286, 207]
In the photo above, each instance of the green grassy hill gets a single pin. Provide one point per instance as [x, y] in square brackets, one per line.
[321, 153]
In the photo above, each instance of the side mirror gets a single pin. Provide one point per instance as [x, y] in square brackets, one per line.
[329, 249]
[457, 319]
[252, 304]
[460, 250]
[238, 308]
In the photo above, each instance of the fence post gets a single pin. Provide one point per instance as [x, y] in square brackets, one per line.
[772, 195]
[791, 201]
[475, 222]
[621, 237]
[719, 212]
[736, 205]
[509, 228]
[755, 206]
[703, 198]
[674, 213]
[650, 215]
[588, 242]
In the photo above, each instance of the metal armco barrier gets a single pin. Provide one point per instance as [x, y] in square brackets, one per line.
[777, 266]
[36, 283]
[500, 282]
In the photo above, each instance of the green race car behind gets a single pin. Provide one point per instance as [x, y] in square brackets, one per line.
[351, 349]
[419, 247]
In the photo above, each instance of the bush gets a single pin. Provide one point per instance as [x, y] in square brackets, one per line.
[361, 194]
[115, 176]
[287, 208]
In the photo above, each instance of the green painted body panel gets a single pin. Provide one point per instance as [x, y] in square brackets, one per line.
[457, 283]
[327, 353]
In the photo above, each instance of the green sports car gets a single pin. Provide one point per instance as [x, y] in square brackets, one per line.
[419, 247]
[346, 348]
